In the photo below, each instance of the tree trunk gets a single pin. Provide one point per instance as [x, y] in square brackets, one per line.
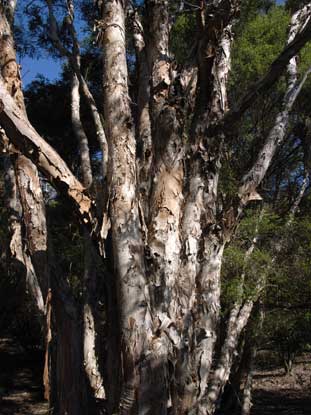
[19, 253]
[68, 387]
[126, 228]
[25, 193]
[247, 392]
[89, 330]
[237, 322]
[71, 391]
[169, 226]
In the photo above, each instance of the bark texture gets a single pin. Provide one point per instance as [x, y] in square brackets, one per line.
[126, 227]
[25, 195]
[89, 330]
[27, 140]
[169, 225]
[73, 58]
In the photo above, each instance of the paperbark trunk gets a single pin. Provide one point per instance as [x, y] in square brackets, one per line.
[173, 334]
[143, 123]
[19, 255]
[25, 191]
[126, 227]
[74, 61]
[89, 330]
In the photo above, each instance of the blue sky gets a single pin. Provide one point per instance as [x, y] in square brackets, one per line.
[45, 66]
[49, 68]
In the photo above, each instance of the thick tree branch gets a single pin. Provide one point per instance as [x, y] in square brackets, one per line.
[24, 137]
[74, 61]
[276, 136]
[302, 36]
[127, 240]
[143, 123]
[28, 243]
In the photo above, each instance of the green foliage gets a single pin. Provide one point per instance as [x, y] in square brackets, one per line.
[261, 40]
[183, 37]
[232, 270]
[250, 9]
[289, 332]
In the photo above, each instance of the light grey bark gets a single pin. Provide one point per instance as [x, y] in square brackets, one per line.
[101, 136]
[300, 19]
[25, 195]
[17, 249]
[91, 365]
[277, 134]
[34, 218]
[181, 258]
[79, 132]
[73, 58]
[126, 227]
[143, 124]
[89, 330]
[69, 347]
[303, 188]
[201, 201]
[248, 382]
[247, 390]
[166, 198]
[27, 220]
[27, 140]
[237, 322]
[249, 304]
[240, 314]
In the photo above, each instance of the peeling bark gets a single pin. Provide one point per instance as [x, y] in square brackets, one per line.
[31, 198]
[167, 275]
[47, 357]
[34, 218]
[30, 241]
[248, 383]
[207, 308]
[74, 61]
[26, 193]
[18, 251]
[302, 21]
[143, 123]
[237, 322]
[126, 227]
[89, 330]
[277, 134]
[86, 168]
[28, 141]
[201, 233]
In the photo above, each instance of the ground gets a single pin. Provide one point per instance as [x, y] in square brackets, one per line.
[20, 380]
[274, 393]
[277, 393]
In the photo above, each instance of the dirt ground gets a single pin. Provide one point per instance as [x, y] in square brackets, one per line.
[20, 381]
[274, 393]
[277, 393]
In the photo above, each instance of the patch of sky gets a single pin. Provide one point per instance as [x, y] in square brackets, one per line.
[34, 57]
[39, 62]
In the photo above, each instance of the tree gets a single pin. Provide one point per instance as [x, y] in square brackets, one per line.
[164, 221]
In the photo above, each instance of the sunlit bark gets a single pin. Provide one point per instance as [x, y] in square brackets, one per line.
[169, 228]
